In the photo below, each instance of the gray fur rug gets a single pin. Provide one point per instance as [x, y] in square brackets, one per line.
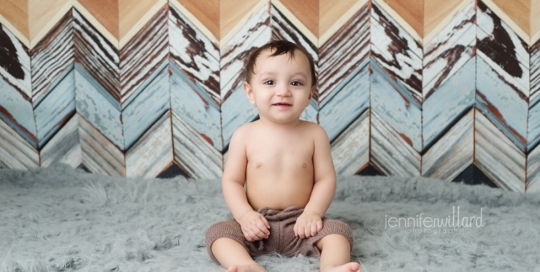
[60, 219]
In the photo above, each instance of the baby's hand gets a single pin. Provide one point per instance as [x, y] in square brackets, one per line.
[307, 225]
[254, 226]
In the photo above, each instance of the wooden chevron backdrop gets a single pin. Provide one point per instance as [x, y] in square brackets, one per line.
[444, 89]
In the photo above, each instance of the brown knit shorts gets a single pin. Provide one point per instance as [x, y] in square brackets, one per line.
[281, 239]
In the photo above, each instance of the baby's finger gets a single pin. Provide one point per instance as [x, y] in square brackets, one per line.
[265, 222]
[262, 227]
[319, 226]
[314, 230]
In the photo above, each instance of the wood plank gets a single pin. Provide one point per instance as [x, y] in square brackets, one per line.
[396, 106]
[436, 12]
[533, 171]
[236, 111]
[52, 57]
[390, 152]
[56, 108]
[42, 15]
[519, 11]
[506, 19]
[149, 105]
[97, 55]
[193, 153]
[412, 11]
[99, 155]
[449, 101]
[533, 127]
[194, 53]
[396, 50]
[207, 12]
[453, 153]
[350, 100]
[16, 62]
[535, 21]
[255, 33]
[64, 146]
[497, 156]
[94, 105]
[106, 12]
[331, 12]
[503, 105]
[235, 12]
[342, 54]
[153, 152]
[196, 107]
[350, 151]
[143, 57]
[307, 11]
[16, 12]
[449, 50]
[15, 151]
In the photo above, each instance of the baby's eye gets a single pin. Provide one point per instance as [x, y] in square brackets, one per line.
[296, 83]
[269, 82]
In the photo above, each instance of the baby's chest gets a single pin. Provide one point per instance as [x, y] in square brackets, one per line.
[281, 157]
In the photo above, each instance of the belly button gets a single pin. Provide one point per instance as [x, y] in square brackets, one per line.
[304, 165]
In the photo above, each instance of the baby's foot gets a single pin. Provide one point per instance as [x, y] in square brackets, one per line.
[348, 267]
[246, 268]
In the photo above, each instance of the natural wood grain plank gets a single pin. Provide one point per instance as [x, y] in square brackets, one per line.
[42, 12]
[64, 147]
[15, 151]
[106, 12]
[497, 156]
[129, 13]
[436, 11]
[231, 12]
[330, 12]
[535, 21]
[507, 19]
[412, 11]
[207, 12]
[195, 155]
[16, 12]
[307, 11]
[350, 151]
[99, 154]
[519, 11]
[153, 151]
[390, 152]
[453, 153]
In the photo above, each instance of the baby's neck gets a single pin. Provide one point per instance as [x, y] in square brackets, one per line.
[278, 126]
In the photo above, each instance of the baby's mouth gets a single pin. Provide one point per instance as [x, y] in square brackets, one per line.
[281, 104]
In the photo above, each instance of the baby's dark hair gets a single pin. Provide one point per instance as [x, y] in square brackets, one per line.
[279, 47]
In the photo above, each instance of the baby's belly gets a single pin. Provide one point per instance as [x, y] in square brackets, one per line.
[279, 194]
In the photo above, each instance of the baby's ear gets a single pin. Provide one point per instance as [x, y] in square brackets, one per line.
[249, 92]
[312, 92]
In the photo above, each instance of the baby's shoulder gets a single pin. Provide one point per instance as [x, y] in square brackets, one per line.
[312, 128]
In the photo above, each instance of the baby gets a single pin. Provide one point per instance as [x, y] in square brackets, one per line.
[287, 168]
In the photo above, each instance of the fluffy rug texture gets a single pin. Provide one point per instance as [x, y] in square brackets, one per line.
[60, 219]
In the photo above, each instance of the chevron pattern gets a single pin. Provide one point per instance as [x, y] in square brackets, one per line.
[437, 90]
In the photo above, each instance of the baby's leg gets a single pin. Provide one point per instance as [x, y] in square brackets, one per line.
[335, 254]
[233, 256]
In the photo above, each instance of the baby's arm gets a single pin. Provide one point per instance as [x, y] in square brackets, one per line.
[254, 225]
[310, 222]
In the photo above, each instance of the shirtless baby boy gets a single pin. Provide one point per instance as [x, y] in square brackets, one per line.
[288, 171]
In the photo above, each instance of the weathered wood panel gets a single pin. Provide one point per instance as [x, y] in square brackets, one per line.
[15, 151]
[533, 129]
[497, 156]
[147, 107]
[195, 155]
[194, 53]
[343, 53]
[350, 151]
[396, 106]
[389, 152]
[396, 51]
[453, 153]
[64, 146]
[153, 151]
[99, 155]
[15, 60]
[449, 102]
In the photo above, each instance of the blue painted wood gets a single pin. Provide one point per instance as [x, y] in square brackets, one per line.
[147, 107]
[502, 104]
[18, 58]
[17, 111]
[448, 102]
[56, 108]
[396, 106]
[15, 151]
[350, 151]
[236, 111]
[350, 99]
[196, 107]
[64, 146]
[93, 103]
[533, 136]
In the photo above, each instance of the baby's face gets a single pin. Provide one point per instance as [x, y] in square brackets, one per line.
[280, 86]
